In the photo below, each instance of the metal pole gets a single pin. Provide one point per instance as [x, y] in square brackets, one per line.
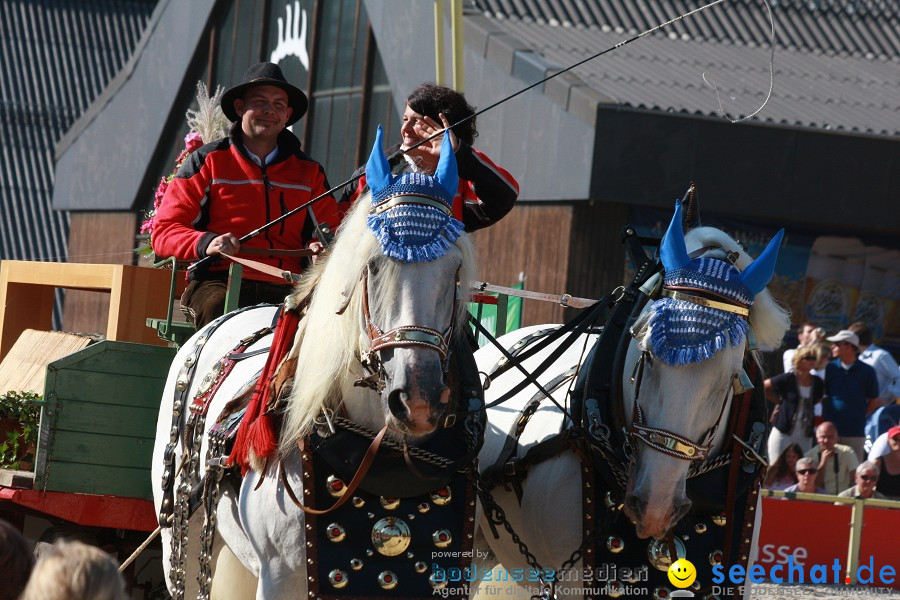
[439, 43]
[856, 525]
[456, 27]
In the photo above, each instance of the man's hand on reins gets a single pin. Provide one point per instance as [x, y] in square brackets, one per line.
[226, 243]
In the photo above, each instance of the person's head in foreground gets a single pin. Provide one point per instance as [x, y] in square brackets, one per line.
[70, 570]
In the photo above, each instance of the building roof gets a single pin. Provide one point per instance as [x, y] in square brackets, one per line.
[56, 57]
[836, 61]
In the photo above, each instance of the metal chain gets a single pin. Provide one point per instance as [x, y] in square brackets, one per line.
[189, 478]
[423, 455]
[214, 473]
[586, 541]
[496, 516]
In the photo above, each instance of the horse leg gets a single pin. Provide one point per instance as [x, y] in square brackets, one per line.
[275, 530]
[231, 578]
[234, 575]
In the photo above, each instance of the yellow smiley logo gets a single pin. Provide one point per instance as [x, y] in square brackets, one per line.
[682, 573]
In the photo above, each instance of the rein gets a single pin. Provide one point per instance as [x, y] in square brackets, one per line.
[361, 472]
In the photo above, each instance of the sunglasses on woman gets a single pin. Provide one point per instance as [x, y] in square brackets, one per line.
[806, 471]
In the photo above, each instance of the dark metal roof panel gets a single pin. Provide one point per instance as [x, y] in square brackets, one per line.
[56, 56]
[827, 74]
[852, 26]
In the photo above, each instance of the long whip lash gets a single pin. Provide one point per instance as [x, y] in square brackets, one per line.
[355, 178]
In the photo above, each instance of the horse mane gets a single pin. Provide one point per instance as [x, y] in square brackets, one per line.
[768, 318]
[328, 356]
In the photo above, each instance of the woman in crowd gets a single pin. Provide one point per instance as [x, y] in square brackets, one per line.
[889, 465]
[781, 473]
[794, 395]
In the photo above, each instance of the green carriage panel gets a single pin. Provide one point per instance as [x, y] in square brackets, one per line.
[98, 422]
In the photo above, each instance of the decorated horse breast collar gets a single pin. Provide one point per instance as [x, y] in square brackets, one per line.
[407, 531]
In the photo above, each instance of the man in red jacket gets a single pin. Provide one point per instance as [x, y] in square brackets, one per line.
[234, 185]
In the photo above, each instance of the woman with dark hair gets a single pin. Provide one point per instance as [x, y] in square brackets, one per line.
[486, 193]
[781, 473]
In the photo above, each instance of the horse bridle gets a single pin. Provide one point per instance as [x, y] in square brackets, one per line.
[404, 336]
[663, 440]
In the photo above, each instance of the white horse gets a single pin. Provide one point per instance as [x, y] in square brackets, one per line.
[411, 308]
[683, 388]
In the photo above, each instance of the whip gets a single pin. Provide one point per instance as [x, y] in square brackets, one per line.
[393, 156]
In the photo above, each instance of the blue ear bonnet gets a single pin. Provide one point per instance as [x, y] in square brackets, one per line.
[682, 332]
[711, 275]
[412, 213]
[412, 184]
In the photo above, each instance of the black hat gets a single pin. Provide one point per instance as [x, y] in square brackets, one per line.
[265, 73]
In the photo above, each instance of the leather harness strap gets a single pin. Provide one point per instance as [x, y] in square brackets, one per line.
[695, 298]
[264, 268]
[666, 441]
[301, 253]
[742, 411]
[361, 472]
[406, 335]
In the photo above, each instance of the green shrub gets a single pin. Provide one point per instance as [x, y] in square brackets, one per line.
[17, 445]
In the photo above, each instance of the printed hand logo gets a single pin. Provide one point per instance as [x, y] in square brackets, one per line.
[292, 36]
[682, 574]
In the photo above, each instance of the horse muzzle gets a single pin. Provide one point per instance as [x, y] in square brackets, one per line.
[416, 413]
[654, 519]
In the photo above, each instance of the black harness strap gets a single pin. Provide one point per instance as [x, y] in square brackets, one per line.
[573, 328]
[585, 320]
[506, 467]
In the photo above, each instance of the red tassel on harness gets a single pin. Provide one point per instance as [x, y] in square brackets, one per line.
[257, 431]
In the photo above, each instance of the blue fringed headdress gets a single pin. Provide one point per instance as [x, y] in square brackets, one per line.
[412, 213]
[683, 331]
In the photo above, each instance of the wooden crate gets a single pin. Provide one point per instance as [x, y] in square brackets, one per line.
[99, 421]
[25, 367]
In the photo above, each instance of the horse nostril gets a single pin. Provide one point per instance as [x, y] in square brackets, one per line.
[397, 404]
[635, 506]
[679, 510]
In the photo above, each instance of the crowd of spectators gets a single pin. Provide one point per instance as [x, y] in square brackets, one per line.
[819, 411]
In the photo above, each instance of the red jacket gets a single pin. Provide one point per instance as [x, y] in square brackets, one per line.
[485, 194]
[219, 189]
